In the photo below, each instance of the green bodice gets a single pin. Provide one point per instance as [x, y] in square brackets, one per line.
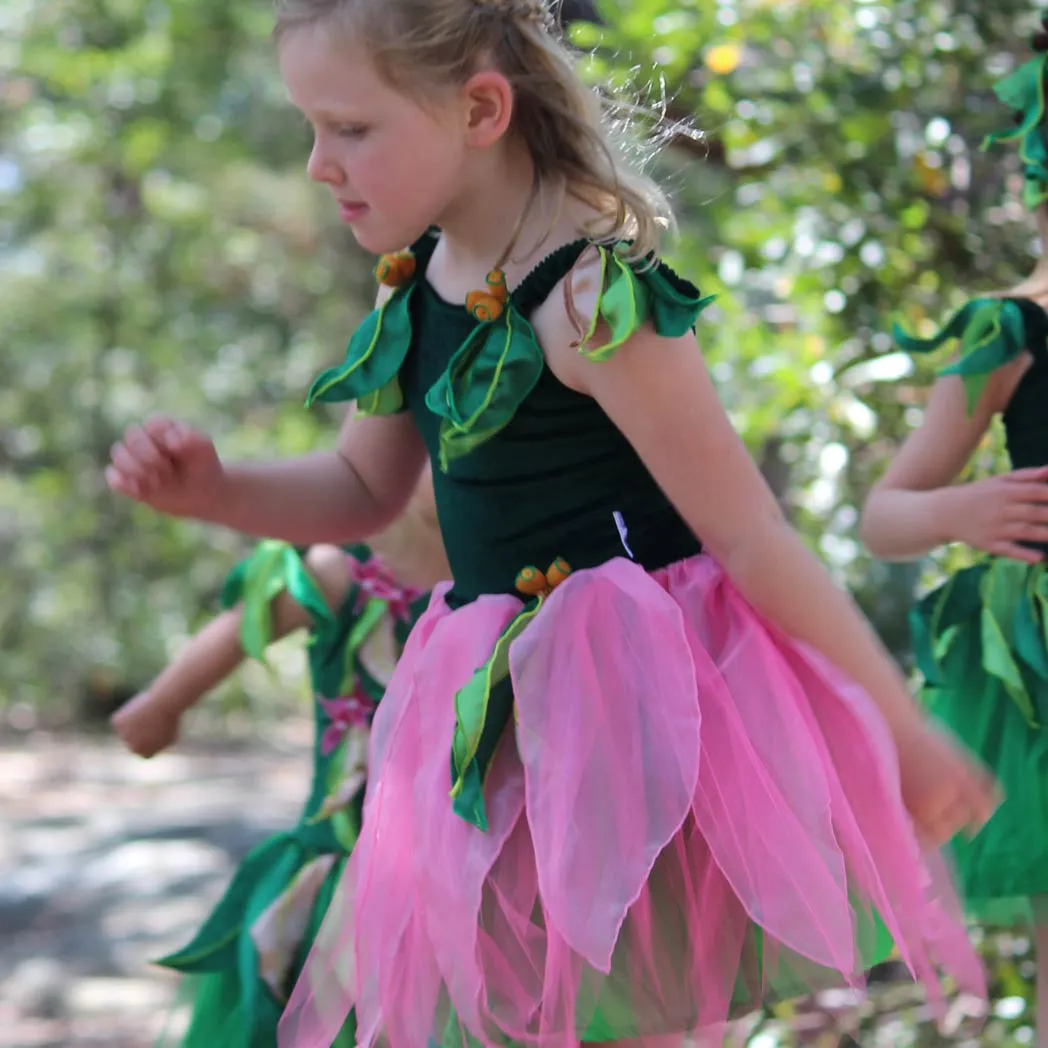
[526, 470]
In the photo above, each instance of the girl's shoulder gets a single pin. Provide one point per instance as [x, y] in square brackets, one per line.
[601, 295]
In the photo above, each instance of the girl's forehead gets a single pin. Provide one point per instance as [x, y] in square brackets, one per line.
[324, 72]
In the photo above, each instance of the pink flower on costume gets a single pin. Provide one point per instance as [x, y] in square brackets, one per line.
[350, 711]
[376, 583]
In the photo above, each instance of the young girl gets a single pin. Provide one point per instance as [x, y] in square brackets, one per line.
[980, 639]
[359, 609]
[623, 785]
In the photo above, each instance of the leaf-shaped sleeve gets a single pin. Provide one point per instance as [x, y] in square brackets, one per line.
[1024, 93]
[630, 294]
[991, 332]
[485, 383]
[273, 568]
[373, 360]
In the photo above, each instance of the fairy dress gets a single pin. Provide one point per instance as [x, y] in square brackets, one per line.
[981, 638]
[244, 960]
[607, 800]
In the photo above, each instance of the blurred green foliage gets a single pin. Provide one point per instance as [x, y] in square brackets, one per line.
[162, 251]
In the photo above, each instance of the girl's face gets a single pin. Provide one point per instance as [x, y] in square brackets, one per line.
[393, 166]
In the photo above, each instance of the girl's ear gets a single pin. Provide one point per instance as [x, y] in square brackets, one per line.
[488, 103]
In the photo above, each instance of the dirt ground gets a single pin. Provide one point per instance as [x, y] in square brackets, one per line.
[107, 861]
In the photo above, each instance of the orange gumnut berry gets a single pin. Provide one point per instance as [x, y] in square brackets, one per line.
[559, 570]
[395, 270]
[483, 306]
[531, 582]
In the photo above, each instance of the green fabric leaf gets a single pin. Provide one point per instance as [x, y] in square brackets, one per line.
[1003, 589]
[992, 333]
[472, 700]
[1024, 93]
[273, 568]
[374, 358]
[1027, 626]
[485, 383]
[634, 292]
[214, 947]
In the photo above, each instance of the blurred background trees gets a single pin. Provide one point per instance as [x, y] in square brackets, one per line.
[162, 251]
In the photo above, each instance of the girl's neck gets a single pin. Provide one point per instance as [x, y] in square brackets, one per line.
[501, 210]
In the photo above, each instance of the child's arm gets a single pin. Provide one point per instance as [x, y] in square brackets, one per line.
[149, 723]
[335, 496]
[916, 507]
[660, 395]
[339, 496]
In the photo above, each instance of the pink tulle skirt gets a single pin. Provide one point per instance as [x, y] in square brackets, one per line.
[692, 814]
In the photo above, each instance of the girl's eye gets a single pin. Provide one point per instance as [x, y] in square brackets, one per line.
[352, 131]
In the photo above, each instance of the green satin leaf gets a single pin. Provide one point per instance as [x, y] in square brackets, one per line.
[468, 802]
[1003, 588]
[1040, 591]
[214, 946]
[485, 383]
[273, 568]
[374, 358]
[1024, 93]
[991, 332]
[370, 616]
[940, 619]
[276, 880]
[472, 700]
[634, 292]
[346, 831]
[1028, 628]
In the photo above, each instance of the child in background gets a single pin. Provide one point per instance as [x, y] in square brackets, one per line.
[980, 637]
[359, 606]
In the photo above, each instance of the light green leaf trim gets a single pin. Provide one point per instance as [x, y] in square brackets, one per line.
[992, 333]
[374, 358]
[273, 568]
[471, 702]
[631, 293]
[1003, 591]
[485, 383]
[1023, 92]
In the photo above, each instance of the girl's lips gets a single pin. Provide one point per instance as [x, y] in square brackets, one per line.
[350, 213]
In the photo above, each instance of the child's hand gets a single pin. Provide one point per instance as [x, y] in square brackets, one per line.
[146, 725]
[945, 790]
[998, 513]
[168, 466]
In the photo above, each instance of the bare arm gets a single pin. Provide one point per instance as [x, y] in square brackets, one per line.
[660, 395]
[330, 496]
[149, 723]
[336, 496]
[916, 506]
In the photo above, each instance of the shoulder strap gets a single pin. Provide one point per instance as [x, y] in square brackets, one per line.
[538, 285]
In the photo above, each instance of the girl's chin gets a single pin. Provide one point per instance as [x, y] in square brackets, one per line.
[383, 241]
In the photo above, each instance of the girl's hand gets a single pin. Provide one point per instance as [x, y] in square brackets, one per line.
[146, 725]
[945, 790]
[997, 514]
[168, 466]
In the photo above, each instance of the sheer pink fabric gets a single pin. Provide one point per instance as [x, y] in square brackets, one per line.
[695, 813]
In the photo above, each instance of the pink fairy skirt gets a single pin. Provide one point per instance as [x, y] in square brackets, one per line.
[692, 815]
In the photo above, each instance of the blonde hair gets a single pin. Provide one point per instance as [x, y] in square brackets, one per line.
[566, 126]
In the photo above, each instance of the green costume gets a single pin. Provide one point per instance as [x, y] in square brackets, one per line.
[247, 956]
